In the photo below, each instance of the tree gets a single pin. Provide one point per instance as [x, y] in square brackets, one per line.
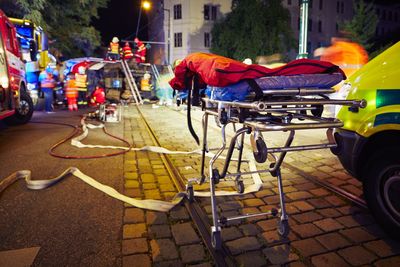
[67, 23]
[253, 28]
[361, 29]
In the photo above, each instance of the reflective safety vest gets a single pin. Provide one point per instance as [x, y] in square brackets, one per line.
[127, 52]
[71, 91]
[80, 81]
[47, 80]
[114, 47]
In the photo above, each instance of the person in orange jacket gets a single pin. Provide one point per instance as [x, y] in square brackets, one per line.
[71, 93]
[47, 85]
[81, 85]
[127, 52]
[140, 53]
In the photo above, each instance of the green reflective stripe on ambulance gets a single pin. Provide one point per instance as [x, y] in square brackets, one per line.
[387, 97]
[387, 118]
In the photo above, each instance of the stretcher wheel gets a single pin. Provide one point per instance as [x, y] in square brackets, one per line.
[216, 240]
[190, 193]
[283, 228]
[318, 110]
[240, 187]
[262, 152]
[215, 176]
[178, 102]
[303, 112]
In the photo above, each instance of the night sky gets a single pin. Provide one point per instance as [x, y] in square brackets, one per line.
[120, 19]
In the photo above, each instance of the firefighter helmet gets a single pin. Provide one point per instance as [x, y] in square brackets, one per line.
[115, 40]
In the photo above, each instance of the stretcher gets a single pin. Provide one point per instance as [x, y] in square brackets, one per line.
[287, 104]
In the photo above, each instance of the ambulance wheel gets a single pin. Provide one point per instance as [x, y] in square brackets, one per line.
[283, 228]
[317, 112]
[381, 184]
[190, 193]
[240, 187]
[24, 112]
[262, 152]
[216, 240]
[215, 176]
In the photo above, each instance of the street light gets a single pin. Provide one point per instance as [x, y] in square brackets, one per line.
[303, 29]
[169, 35]
[146, 5]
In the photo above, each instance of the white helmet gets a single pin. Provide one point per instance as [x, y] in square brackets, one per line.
[115, 40]
[81, 70]
[248, 61]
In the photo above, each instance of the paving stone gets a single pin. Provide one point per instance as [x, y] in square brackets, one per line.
[167, 188]
[249, 229]
[134, 230]
[328, 225]
[264, 193]
[383, 248]
[306, 230]
[348, 221]
[349, 210]
[353, 189]
[267, 225]
[272, 237]
[184, 234]
[297, 264]
[171, 263]
[230, 205]
[134, 246]
[134, 193]
[280, 254]
[201, 265]
[299, 195]
[305, 187]
[251, 259]
[319, 203]
[364, 219]
[357, 255]
[152, 194]
[192, 254]
[329, 212]
[242, 245]
[389, 262]
[333, 241]
[329, 259]
[179, 213]
[164, 179]
[271, 199]
[131, 184]
[357, 235]
[154, 217]
[133, 215]
[230, 233]
[149, 187]
[308, 247]
[131, 175]
[319, 192]
[254, 202]
[142, 260]
[335, 201]
[163, 249]
[147, 178]
[302, 206]
[306, 217]
[159, 231]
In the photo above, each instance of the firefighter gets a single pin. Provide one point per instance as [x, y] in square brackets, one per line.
[140, 53]
[98, 96]
[127, 51]
[114, 51]
[81, 85]
[71, 92]
[47, 84]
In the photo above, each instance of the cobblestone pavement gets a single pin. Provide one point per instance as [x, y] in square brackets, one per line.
[325, 229]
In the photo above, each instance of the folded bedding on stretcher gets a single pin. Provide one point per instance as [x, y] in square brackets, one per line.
[219, 71]
[239, 91]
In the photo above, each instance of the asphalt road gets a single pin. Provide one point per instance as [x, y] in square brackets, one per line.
[72, 223]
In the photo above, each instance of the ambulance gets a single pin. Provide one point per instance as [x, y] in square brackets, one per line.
[369, 141]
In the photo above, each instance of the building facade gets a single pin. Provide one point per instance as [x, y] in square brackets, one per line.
[187, 24]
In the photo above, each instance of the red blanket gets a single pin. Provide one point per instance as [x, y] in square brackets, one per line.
[220, 71]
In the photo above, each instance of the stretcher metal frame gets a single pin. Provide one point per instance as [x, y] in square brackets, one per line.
[279, 110]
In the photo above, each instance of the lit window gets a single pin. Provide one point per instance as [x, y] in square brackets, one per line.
[178, 11]
[178, 39]
[207, 39]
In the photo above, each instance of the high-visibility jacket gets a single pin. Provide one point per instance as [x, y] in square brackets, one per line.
[114, 48]
[47, 80]
[140, 54]
[98, 96]
[80, 81]
[70, 90]
[127, 52]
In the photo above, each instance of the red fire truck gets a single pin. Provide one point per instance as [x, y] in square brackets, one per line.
[16, 105]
